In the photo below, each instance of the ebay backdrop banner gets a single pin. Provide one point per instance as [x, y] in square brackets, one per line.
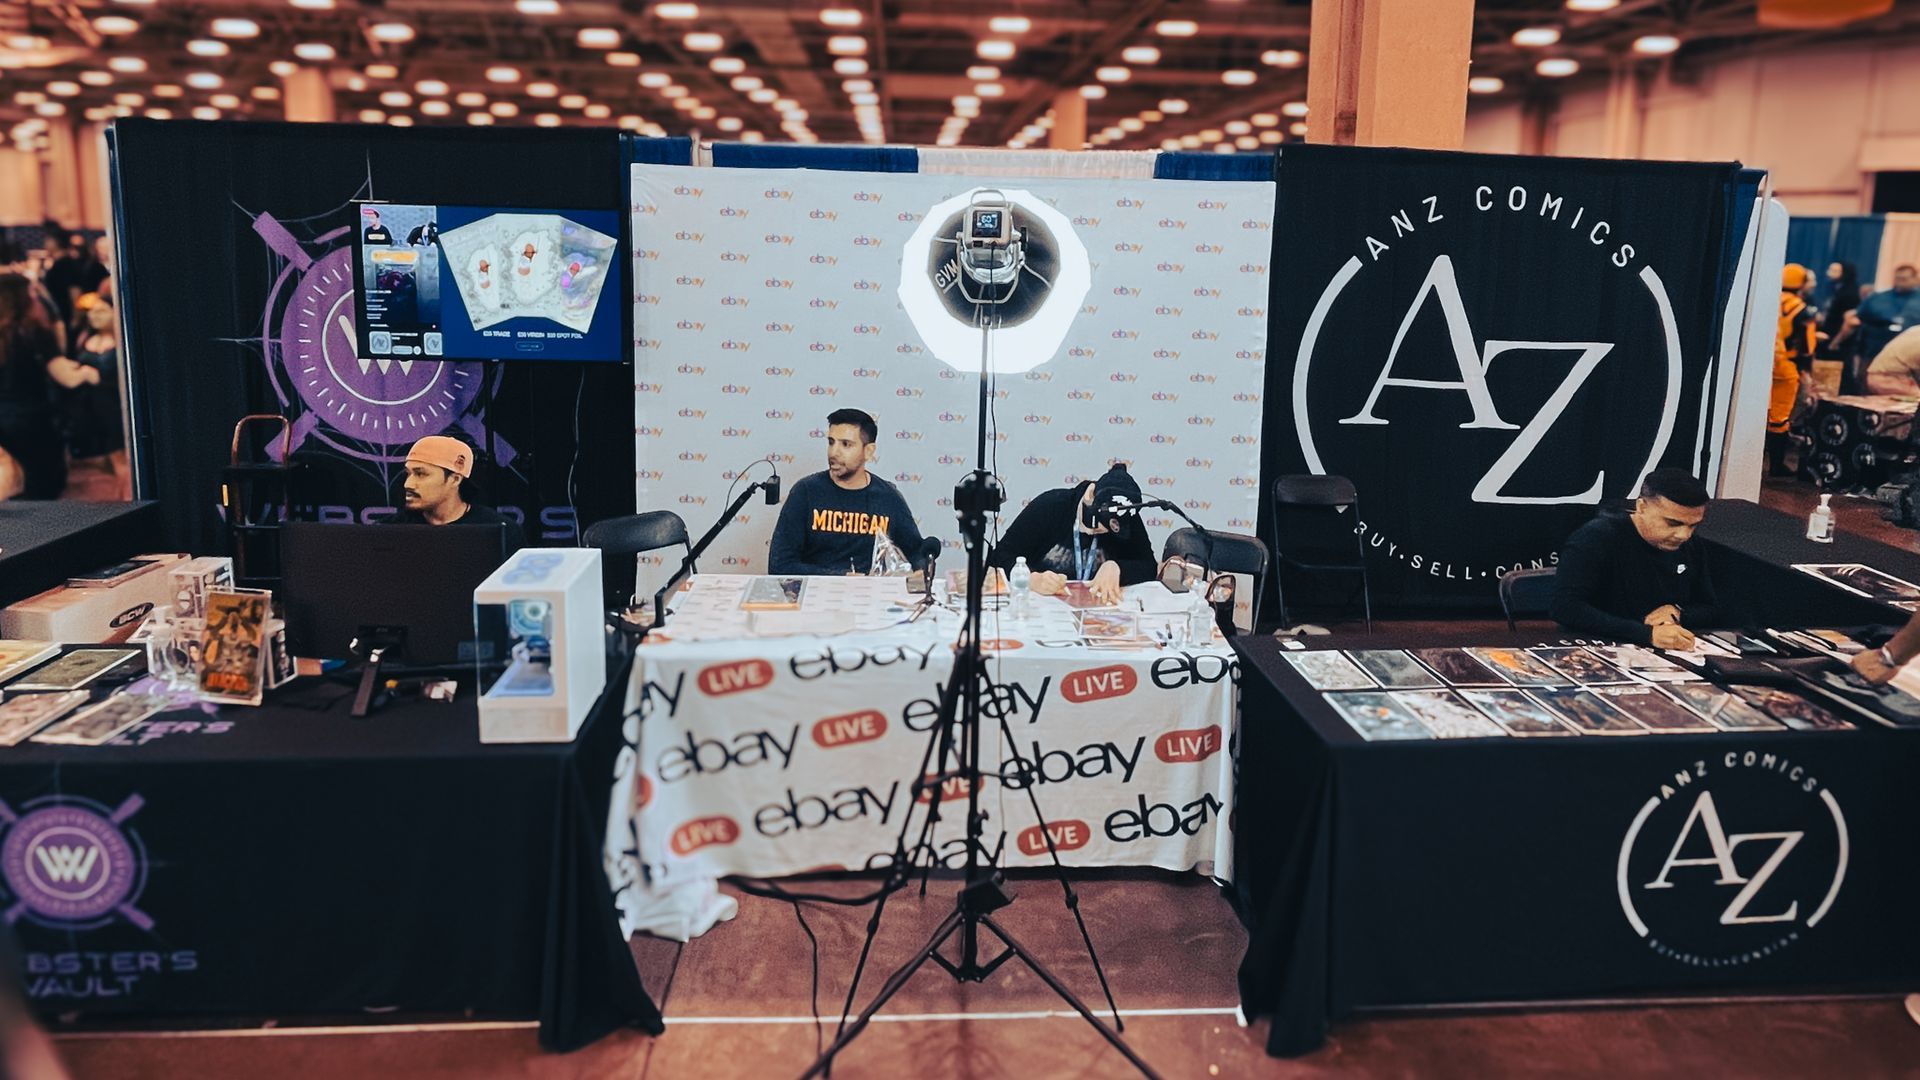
[765, 299]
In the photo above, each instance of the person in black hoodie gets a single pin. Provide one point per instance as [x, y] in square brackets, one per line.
[1065, 537]
[1640, 578]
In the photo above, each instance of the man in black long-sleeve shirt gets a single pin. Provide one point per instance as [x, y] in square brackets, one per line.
[1640, 578]
[1063, 538]
[830, 519]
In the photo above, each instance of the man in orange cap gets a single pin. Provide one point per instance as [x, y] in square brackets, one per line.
[438, 468]
[1793, 347]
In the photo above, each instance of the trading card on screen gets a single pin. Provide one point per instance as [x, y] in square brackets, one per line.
[1791, 709]
[1518, 667]
[1654, 710]
[1457, 667]
[1329, 669]
[1581, 666]
[1723, 708]
[1443, 713]
[1515, 711]
[1377, 717]
[1587, 712]
[1393, 667]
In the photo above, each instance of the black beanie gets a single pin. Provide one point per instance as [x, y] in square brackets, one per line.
[1116, 483]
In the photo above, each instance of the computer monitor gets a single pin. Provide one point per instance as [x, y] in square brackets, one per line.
[407, 583]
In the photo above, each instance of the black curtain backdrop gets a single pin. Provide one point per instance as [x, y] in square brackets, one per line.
[232, 244]
[1477, 341]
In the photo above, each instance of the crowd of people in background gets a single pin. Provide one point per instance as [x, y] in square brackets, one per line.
[60, 416]
[1874, 336]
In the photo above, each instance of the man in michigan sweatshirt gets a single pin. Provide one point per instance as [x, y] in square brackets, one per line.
[831, 517]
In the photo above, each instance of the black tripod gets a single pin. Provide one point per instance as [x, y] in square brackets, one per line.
[957, 737]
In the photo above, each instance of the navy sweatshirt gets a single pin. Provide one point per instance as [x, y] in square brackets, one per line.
[826, 529]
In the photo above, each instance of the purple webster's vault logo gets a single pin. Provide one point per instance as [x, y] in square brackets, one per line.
[69, 864]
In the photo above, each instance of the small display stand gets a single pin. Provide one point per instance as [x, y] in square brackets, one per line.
[538, 624]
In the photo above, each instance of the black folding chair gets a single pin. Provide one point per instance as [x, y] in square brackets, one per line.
[1233, 553]
[621, 539]
[1303, 495]
[1526, 592]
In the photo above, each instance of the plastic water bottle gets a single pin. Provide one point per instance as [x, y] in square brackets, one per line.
[1020, 586]
[1820, 522]
[1199, 617]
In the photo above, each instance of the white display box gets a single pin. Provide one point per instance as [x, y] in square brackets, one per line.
[541, 614]
[92, 616]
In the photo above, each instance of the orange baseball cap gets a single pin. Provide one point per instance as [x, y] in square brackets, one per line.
[445, 451]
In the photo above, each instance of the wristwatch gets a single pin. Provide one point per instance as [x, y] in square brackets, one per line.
[1887, 658]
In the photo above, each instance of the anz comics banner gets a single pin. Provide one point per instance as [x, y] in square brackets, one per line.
[766, 299]
[805, 758]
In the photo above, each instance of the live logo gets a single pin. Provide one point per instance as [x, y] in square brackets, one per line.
[864, 726]
[1067, 836]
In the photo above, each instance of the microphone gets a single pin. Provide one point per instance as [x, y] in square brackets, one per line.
[930, 548]
[772, 488]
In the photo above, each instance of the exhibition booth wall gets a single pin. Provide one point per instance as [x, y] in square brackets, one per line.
[1488, 345]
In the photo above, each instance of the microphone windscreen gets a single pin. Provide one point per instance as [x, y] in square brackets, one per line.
[773, 490]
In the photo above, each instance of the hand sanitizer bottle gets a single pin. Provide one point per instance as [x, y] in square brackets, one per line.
[1820, 522]
[1020, 586]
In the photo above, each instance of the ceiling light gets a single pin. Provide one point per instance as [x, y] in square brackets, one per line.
[1113, 74]
[1271, 138]
[127, 65]
[850, 65]
[1239, 127]
[597, 37]
[504, 108]
[857, 86]
[573, 101]
[236, 28]
[1133, 123]
[597, 111]
[1592, 5]
[547, 119]
[1176, 28]
[63, 88]
[1140, 54]
[435, 108]
[480, 119]
[1264, 120]
[729, 123]
[396, 99]
[96, 78]
[983, 73]
[266, 93]
[312, 5]
[1093, 91]
[208, 47]
[1294, 108]
[1283, 58]
[704, 112]
[623, 59]
[1111, 133]
[1173, 106]
[787, 105]
[430, 88]
[392, 33]
[381, 71]
[1153, 116]
[1223, 148]
[503, 74]
[206, 112]
[129, 99]
[537, 7]
[159, 114]
[673, 91]
[1486, 84]
[1297, 128]
[841, 17]
[965, 112]
[763, 95]
[1212, 135]
[704, 41]
[314, 52]
[864, 99]
[1247, 142]
[654, 80]
[1190, 142]
[111, 25]
[676, 11]
[745, 83]
[966, 101]
[402, 120]
[993, 49]
[356, 83]
[471, 99]
[28, 43]
[1238, 77]
[283, 68]
[204, 80]
[1656, 44]
[224, 101]
[632, 122]
[542, 90]
[1536, 37]
[1557, 67]
[990, 90]
[1009, 24]
[167, 90]
[686, 104]
[847, 45]
[373, 116]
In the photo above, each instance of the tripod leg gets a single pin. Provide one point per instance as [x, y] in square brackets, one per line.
[1066, 995]
[891, 987]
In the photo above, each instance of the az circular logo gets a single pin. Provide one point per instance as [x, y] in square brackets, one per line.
[71, 863]
[1732, 859]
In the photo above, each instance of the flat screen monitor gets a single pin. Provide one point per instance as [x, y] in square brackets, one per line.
[437, 282]
[413, 583]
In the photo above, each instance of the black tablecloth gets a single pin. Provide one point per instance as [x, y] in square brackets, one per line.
[1752, 552]
[1488, 870]
[283, 861]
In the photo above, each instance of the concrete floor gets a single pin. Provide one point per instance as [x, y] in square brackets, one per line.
[737, 1003]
